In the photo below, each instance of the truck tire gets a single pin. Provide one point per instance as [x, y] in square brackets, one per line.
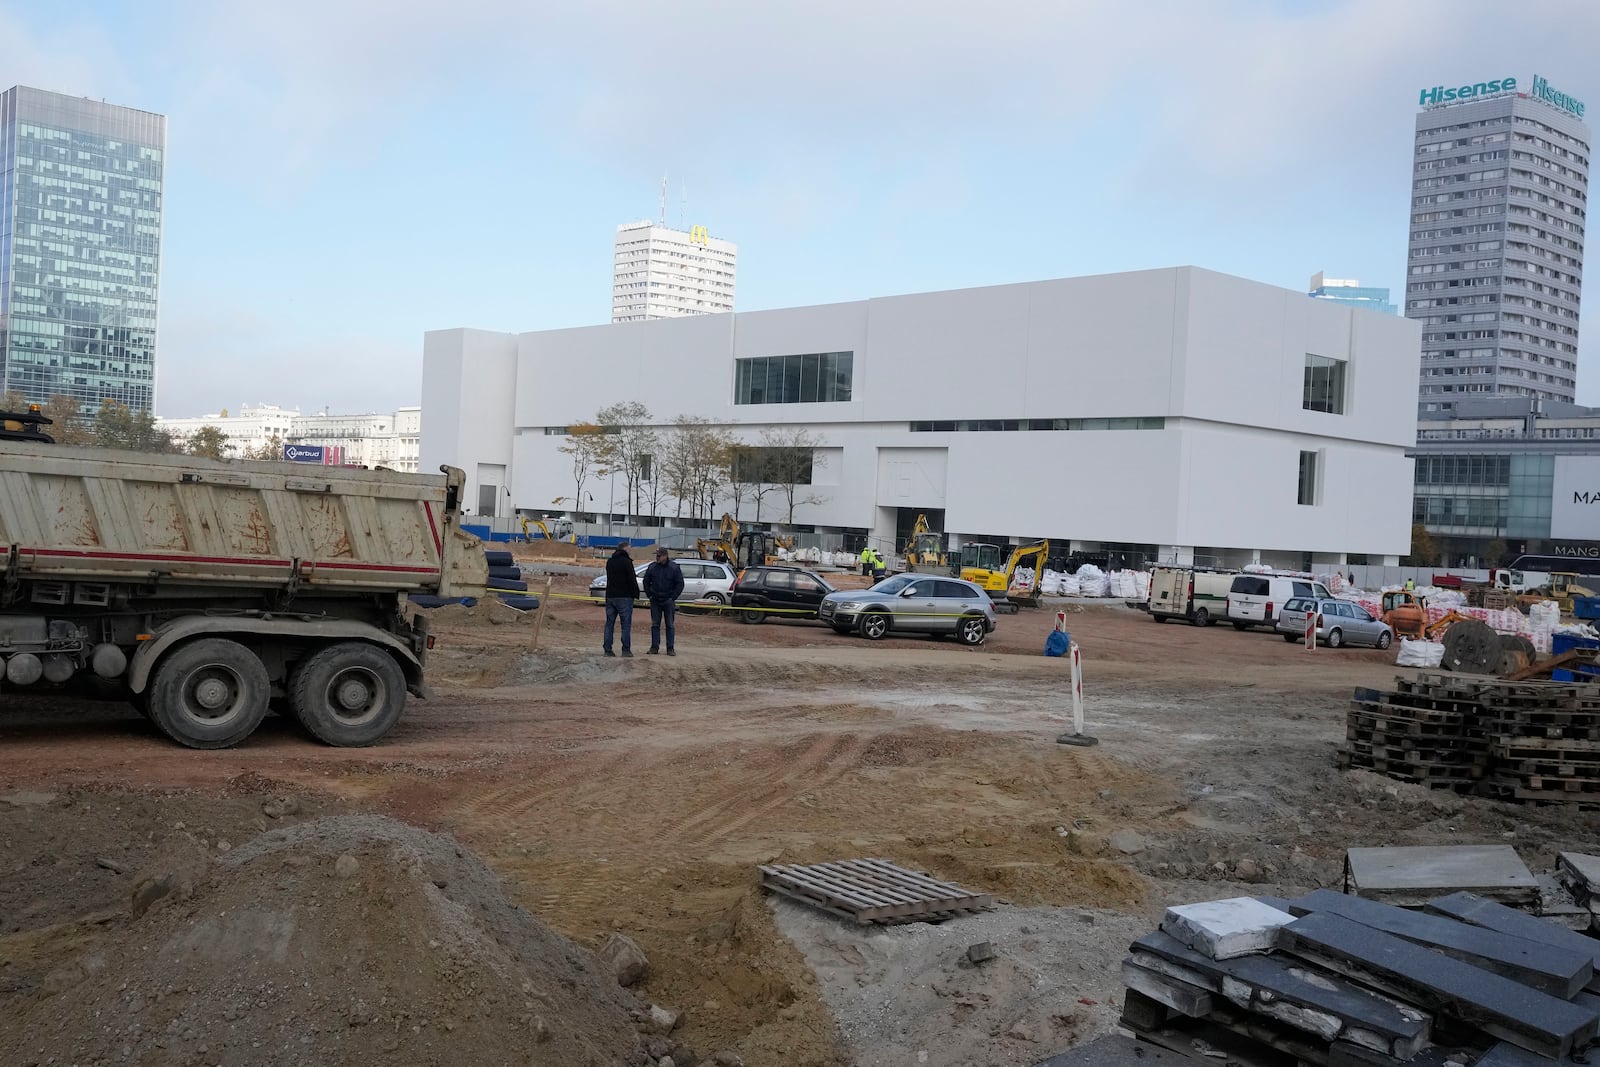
[348, 695]
[1202, 617]
[210, 693]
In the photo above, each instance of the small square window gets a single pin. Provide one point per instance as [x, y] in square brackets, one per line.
[1324, 385]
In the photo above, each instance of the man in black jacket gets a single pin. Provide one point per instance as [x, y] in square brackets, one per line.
[622, 589]
[663, 584]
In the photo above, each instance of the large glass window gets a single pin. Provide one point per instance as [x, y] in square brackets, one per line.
[812, 378]
[1324, 385]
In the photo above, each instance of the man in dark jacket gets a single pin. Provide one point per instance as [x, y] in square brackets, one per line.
[663, 584]
[622, 589]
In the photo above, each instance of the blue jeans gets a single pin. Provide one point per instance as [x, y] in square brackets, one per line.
[619, 607]
[663, 610]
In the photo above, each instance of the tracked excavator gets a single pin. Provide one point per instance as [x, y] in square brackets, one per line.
[980, 564]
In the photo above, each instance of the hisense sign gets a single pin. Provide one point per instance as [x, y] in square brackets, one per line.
[1554, 98]
[1440, 94]
[1451, 94]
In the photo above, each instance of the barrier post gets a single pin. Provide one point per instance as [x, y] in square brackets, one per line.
[544, 606]
[1311, 631]
[1077, 736]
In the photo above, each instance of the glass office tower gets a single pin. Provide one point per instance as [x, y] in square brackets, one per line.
[80, 248]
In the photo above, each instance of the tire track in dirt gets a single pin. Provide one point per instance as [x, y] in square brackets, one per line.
[507, 806]
[842, 758]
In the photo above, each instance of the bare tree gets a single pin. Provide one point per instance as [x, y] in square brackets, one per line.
[694, 464]
[70, 427]
[789, 462]
[630, 446]
[586, 445]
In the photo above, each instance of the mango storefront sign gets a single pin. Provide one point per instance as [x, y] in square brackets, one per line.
[1575, 511]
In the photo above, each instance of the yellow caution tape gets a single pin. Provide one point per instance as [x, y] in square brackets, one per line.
[809, 612]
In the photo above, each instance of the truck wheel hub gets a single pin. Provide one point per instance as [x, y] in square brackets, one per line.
[353, 694]
[211, 693]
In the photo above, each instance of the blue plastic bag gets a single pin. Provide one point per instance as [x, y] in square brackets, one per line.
[1057, 643]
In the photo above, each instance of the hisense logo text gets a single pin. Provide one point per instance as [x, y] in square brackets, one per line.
[1440, 95]
[1542, 90]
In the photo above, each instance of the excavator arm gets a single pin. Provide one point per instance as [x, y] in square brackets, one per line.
[1035, 553]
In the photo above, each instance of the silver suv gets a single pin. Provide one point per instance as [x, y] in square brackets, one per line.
[912, 603]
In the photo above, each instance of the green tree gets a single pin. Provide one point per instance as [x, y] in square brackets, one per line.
[117, 426]
[208, 442]
[69, 427]
[1424, 553]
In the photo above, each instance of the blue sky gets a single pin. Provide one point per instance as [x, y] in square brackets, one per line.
[345, 174]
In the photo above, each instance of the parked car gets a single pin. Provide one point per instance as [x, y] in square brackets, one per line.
[1339, 622]
[703, 579]
[798, 593]
[913, 603]
[1255, 599]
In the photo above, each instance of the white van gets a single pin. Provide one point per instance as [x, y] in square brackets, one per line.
[1197, 594]
[1256, 599]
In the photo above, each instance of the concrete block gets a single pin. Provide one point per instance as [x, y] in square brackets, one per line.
[1467, 908]
[1410, 877]
[1499, 1006]
[1585, 870]
[1559, 971]
[1224, 929]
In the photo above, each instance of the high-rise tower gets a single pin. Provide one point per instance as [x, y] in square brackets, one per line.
[1498, 199]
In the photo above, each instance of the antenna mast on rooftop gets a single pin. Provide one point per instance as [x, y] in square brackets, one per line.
[663, 199]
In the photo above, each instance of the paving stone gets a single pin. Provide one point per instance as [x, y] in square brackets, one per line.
[1499, 1006]
[1585, 868]
[1223, 929]
[1178, 995]
[1467, 908]
[1412, 876]
[1288, 992]
[1558, 971]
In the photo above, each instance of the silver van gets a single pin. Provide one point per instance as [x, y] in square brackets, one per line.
[1256, 599]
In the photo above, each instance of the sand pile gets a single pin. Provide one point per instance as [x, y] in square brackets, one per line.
[348, 940]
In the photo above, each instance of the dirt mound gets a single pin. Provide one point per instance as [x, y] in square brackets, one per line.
[328, 942]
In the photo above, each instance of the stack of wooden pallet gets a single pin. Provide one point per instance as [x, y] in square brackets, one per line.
[1342, 981]
[1523, 741]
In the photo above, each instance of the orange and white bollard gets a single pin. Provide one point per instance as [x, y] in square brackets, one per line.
[1077, 736]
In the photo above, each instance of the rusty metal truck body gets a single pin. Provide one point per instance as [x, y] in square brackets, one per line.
[207, 589]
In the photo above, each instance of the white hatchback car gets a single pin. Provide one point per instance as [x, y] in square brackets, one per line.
[703, 579]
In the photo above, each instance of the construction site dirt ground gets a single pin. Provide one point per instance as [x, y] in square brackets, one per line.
[640, 795]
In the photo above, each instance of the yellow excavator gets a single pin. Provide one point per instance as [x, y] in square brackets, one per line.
[741, 547]
[980, 564]
[563, 525]
[925, 548]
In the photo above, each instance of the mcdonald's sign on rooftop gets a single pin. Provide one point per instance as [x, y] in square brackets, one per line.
[699, 236]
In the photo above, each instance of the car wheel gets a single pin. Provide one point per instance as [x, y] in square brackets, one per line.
[971, 630]
[1202, 617]
[1240, 625]
[1335, 639]
[1292, 638]
[1385, 639]
[1158, 618]
[751, 616]
[874, 627]
[716, 598]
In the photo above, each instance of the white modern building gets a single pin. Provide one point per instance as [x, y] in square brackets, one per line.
[390, 440]
[253, 428]
[1177, 411]
[372, 440]
[663, 273]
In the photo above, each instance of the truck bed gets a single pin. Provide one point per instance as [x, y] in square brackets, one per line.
[100, 515]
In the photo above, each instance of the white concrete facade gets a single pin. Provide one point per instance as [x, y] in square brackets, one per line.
[663, 273]
[254, 427]
[1211, 367]
[372, 440]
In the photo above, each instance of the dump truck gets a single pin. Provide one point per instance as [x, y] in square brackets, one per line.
[206, 591]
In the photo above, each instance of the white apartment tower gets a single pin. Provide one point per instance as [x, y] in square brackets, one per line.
[1499, 193]
[662, 273]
